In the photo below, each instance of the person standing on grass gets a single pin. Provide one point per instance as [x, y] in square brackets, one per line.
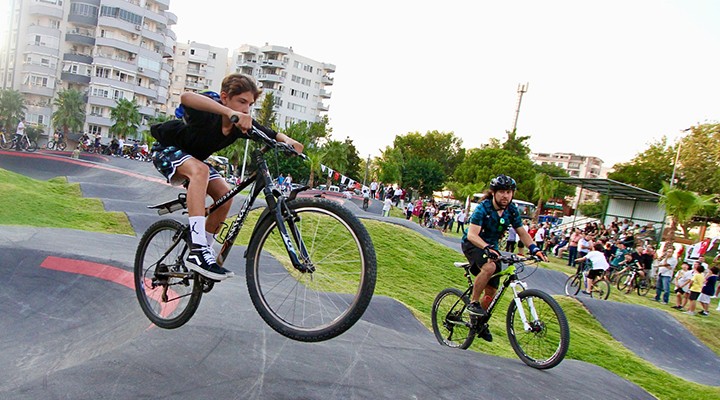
[682, 286]
[696, 285]
[708, 290]
[666, 267]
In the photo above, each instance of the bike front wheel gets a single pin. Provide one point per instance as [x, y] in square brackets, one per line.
[168, 292]
[572, 285]
[543, 340]
[321, 303]
[50, 145]
[643, 286]
[623, 281]
[450, 319]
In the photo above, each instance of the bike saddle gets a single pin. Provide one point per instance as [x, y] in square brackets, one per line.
[461, 264]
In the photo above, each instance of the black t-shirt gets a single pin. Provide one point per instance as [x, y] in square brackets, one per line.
[199, 133]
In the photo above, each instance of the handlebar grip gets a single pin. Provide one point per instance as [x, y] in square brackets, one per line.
[234, 119]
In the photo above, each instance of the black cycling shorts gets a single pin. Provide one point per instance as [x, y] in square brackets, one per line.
[594, 273]
[477, 258]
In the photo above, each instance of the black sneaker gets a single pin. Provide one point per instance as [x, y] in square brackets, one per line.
[485, 334]
[202, 261]
[475, 308]
[227, 272]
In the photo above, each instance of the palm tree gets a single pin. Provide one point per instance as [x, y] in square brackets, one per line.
[70, 113]
[681, 206]
[315, 158]
[545, 188]
[12, 108]
[127, 118]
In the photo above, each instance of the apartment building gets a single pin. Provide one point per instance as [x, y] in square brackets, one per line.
[107, 49]
[577, 166]
[196, 67]
[298, 84]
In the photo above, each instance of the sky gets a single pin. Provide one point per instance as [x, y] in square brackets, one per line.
[605, 78]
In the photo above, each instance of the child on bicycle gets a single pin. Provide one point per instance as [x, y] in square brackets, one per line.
[598, 265]
[491, 218]
[183, 145]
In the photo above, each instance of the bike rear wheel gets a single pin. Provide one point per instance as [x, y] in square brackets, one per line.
[450, 319]
[544, 343]
[30, 146]
[61, 146]
[601, 289]
[168, 292]
[319, 305]
[573, 285]
[50, 145]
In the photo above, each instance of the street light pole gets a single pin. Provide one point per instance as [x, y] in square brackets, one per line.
[677, 157]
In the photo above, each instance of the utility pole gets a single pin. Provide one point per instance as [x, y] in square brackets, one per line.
[677, 157]
[522, 88]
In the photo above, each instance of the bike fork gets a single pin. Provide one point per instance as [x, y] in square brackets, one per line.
[520, 309]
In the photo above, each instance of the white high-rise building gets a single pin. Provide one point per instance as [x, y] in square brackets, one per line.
[297, 83]
[577, 166]
[196, 67]
[107, 49]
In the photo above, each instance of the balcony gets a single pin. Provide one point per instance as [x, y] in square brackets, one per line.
[80, 38]
[326, 80]
[127, 65]
[38, 90]
[81, 58]
[328, 67]
[43, 30]
[43, 69]
[325, 94]
[322, 107]
[82, 20]
[155, 36]
[172, 19]
[147, 92]
[169, 33]
[42, 48]
[118, 44]
[272, 64]
[95, 119]
[69, 77]
[47, 10]
[163, 4]
[197, 71]
[271, 78]
[102, 101]
[270, 49]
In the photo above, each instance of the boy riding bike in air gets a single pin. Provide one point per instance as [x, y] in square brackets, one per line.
[183, 145]
[491, 218]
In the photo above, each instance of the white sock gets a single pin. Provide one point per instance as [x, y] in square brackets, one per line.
[197, 230]
[210, 238]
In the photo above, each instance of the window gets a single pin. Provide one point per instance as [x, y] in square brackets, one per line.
[102, 72]
[118, 94]
[297, 93]
[94, 129]
[38, 81]
[97, 92]
[96, 110]
[85, 10]
[214, 56]
[119, 13]
[192, 51]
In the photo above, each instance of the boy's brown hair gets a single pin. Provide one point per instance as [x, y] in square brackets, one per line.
[235, 84]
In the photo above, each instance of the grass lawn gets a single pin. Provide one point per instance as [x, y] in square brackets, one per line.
[411, 269]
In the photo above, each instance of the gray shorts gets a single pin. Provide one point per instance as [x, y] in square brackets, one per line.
[166, 159]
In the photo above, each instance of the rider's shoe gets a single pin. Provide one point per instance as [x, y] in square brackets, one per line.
[227, 272]
[485, 334]
[475, 308]
[202, 261]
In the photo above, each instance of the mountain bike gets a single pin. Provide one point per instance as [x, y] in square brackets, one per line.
[57, 145]
[24, 143]
[578, 281]
[632, 279]
[536, 325]
[310, 263]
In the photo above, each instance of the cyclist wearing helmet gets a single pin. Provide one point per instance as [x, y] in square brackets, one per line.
[491, 218]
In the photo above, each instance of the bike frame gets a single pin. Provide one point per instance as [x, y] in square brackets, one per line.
[512, 281]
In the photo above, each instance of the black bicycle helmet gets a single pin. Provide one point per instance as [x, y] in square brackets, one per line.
[503, 182]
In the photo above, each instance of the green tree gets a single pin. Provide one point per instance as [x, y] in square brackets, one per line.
[465, 191]
[70, 111]
[354, 163]
[444, 148]
[681, 205]
[481, 165]
[12, 108]
[390, 165]
[649, 169]
[563, 189]
[516, 144]
[594, 208]
[699, 163]
[423, 175]
[315, 159]
[335, 157]
[127, 118]
[265, 115]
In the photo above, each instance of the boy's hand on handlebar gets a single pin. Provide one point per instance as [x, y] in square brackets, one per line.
[492, 253]
[242, 121]
[295, 144]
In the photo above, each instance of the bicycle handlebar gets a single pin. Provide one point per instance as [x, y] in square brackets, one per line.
[514, 259]
[257, 133]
